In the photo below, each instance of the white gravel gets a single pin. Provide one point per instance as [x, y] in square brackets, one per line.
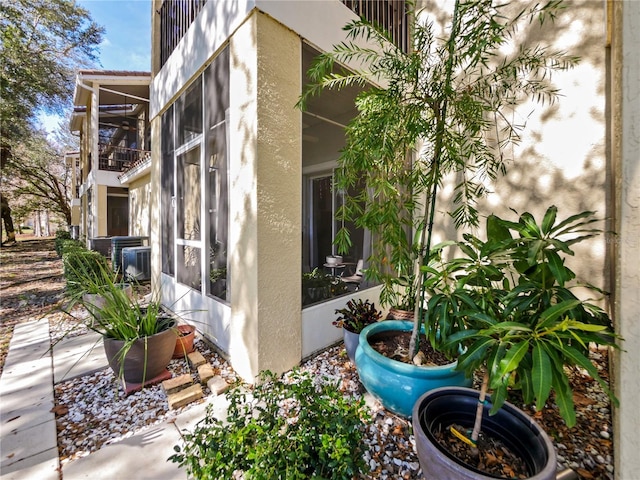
[92, 411]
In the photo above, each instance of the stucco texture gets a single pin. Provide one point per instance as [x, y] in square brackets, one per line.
[265, 207]
[561, 157]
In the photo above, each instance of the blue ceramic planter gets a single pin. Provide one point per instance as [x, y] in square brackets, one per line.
[395, 384]
[351, 341]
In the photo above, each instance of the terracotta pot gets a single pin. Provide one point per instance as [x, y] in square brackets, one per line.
[146, 359]
[184, 341]
[398, 314]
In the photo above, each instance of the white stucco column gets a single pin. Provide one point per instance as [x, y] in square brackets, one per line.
[266, 197]
[626, 162]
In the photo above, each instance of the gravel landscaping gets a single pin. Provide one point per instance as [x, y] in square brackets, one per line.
[93, 411]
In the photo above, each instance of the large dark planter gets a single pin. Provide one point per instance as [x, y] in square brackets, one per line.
[395, 384]
[147, 358]
[441, 407]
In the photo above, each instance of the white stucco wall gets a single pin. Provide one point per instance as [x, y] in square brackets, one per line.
[140, 207]
[265, 207]
[561, 159]
[626, 155]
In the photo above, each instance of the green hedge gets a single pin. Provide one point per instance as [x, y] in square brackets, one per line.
[61, 237]
[81, 263]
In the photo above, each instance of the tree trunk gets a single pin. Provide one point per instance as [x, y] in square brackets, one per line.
[37, 227]
[47, 224]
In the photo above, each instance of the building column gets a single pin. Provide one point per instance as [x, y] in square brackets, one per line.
[266, 197]
[626, 166]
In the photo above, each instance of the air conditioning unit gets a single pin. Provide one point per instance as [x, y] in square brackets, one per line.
[101, 244]
[118, 243]
[136, 263]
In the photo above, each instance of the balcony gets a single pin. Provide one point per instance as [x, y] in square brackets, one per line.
[175, 18]
[119, 159]
[389, 14]
[177, 15]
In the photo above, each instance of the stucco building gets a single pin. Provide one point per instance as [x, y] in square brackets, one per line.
[238, 188]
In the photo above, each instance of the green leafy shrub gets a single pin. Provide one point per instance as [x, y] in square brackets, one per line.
[67, 245]
[285, 428]
[80, 264]
[61, 236]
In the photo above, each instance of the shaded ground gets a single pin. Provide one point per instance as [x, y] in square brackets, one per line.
[31, 284]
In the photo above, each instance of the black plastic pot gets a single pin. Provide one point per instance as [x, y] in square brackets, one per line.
[439, 408]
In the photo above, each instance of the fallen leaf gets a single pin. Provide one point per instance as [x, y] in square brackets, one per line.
[60, 410]
[491, 459]
[584, 473]
[580, 399]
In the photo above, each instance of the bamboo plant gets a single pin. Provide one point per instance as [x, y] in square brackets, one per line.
[446, 108]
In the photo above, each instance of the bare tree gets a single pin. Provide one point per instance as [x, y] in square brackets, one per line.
[37, 177]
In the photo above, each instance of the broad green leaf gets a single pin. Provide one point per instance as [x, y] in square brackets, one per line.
[587, 327]
[513, 357]
[475, 354]
[556, 265]
[510, 326]
[579, 359]
[560, 230]
[493, 365]
[549, 219]
[526, 382]
[497, 230]
[564, 397]
[498, 397]
[531, 229]
[541, 375]
[553, 313]
[534, 249]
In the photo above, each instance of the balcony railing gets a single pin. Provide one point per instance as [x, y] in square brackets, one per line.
[389, 14]
[175, 18]
[119, 159]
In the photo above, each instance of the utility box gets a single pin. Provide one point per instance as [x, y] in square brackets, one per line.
[118, 243]
[101, 245]
[136, 263]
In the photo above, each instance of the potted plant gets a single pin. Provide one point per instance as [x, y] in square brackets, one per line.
[440, 111]
[357, 315]
[186, 335]
[139, 338]
[509, 302]
[400, 295]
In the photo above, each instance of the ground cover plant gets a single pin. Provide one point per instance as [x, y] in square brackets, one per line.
[285, 427]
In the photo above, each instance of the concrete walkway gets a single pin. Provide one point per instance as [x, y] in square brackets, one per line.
[28, 443]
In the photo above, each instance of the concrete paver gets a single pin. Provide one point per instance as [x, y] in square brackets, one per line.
[142, 456]
[77, 356]
[27, 424]
[28, 440]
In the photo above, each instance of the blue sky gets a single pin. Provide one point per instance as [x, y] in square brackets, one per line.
[126, 43]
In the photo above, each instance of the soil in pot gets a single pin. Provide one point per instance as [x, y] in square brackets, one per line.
[395, 344]
[491, 456]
